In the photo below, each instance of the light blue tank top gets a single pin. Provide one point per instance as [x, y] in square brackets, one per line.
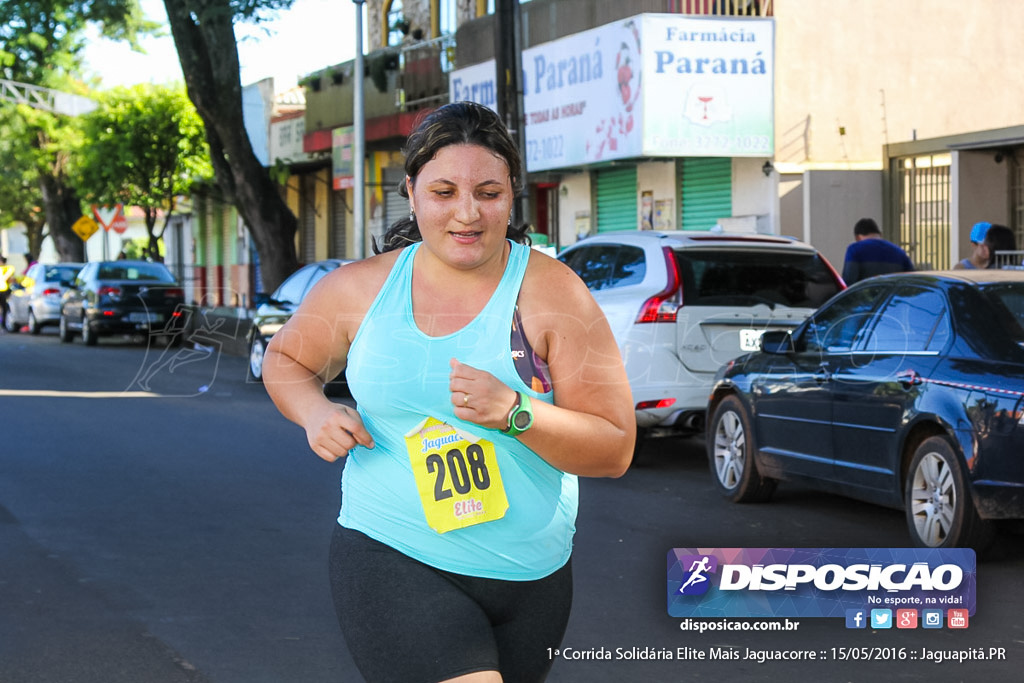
[399, 376]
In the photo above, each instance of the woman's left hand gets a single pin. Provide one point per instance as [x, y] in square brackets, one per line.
[479, 396]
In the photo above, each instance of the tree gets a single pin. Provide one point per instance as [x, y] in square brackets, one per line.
[41, 43]
[204, 36]
[146, 148]
[20, 199]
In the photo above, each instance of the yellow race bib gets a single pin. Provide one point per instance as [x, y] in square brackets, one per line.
[457, 476]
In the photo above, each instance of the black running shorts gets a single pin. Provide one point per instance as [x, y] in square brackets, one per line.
[406, 621]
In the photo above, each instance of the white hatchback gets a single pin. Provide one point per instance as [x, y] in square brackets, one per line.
[683, 303]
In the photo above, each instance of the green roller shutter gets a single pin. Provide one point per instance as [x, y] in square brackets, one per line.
[616, 199]
[706, 191]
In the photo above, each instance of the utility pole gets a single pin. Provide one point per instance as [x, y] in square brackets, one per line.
[509, 67]
[359, 144]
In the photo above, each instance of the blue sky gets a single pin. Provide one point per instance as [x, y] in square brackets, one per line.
[312, 35]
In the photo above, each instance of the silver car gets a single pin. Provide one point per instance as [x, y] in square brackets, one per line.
[682, 303]
[35, 301]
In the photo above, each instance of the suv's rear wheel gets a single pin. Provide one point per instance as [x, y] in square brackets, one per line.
[65, 332]
[257, 349]
[939, 508]
[89, 337]
[730, 445]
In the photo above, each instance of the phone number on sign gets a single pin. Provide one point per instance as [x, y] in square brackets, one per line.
[545, 149]
[727, 143]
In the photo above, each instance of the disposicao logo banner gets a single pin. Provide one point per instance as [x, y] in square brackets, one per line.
[817, 582]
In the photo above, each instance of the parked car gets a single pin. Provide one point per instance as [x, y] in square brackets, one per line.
[273, 311]
[683, 303]
[905, 390]
[123, 297]
[35, 300]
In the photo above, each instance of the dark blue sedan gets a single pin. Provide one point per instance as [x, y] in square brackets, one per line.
[904, 390]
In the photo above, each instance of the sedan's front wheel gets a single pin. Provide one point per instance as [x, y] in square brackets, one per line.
[940, 512]
[730, 444]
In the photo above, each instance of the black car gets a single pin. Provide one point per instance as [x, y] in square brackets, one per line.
[273, 311]
[123, 297]
[905, 390]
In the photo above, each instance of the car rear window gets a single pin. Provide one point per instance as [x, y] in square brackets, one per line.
[61, 273]
[733, 277]
[604, 266]
[148, 272]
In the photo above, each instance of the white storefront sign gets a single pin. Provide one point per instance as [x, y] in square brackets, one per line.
[651, 85]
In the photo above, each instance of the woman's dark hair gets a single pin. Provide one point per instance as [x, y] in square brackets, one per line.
[458, 123]
[999, 238]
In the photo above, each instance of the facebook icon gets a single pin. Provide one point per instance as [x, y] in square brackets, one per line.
[856, 618]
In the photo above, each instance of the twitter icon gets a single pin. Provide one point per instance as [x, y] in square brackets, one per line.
[881, 618]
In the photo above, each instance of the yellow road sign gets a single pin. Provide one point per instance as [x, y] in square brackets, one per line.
[85, 227]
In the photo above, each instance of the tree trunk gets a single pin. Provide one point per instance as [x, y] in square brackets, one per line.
[62, 210]
[204, 36]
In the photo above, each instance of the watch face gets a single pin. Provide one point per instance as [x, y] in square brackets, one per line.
[522, 420]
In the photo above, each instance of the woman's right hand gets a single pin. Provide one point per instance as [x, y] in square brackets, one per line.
[335, 430]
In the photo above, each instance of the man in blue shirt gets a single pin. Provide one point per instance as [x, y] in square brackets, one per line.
[871, 255]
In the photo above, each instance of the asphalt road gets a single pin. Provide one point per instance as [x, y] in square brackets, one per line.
[161, 523]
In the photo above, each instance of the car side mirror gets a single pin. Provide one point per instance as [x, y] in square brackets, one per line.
[777, 341]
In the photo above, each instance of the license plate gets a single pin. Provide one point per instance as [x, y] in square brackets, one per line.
[750, 340]
[143, 317]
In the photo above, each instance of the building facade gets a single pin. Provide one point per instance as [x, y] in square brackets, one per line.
[854, 88]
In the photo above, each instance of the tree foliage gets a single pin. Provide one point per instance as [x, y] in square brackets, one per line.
[146, 147]
[41, 43]
[19, 190]
[204, 37]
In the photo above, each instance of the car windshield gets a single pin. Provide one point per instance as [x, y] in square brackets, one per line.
[149, 272]
[732, 277]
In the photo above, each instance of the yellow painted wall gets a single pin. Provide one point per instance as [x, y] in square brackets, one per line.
[886, 69]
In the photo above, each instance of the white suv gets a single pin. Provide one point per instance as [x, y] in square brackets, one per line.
[683, 303]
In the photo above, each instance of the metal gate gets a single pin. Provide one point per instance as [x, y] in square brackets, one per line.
[395, 205]
[705, 191]
[616, 199]
[1016, 196]
[339, 216]
[307, 217]
[922, 193]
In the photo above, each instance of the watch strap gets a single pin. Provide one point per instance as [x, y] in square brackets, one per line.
[520, 417]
